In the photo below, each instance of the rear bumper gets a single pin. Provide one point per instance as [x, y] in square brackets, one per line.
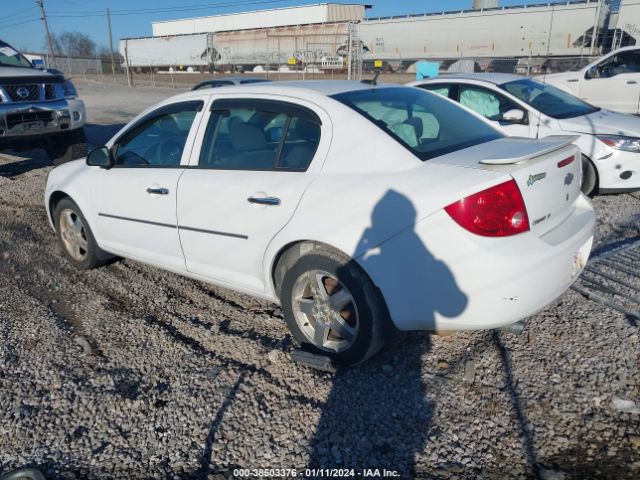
[440, 277]
[23, 122]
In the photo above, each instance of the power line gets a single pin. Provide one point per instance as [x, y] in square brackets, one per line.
[18, 13]
[9, 25]
[184, 8]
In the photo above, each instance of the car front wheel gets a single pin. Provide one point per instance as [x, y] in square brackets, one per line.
[332, 308]
[589, 177]
[75, 236]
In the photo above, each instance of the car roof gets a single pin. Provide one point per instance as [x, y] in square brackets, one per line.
[237, 78]
[495, 78]
[296, 88]
[624, 49]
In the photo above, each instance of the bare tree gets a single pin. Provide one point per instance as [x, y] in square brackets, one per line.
[74, 44]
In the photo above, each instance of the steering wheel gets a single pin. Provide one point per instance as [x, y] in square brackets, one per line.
[170, 151]
[132, 159]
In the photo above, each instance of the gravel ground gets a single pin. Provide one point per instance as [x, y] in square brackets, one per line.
[130, 372]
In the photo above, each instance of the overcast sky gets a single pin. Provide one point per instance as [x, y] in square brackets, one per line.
[20, 23]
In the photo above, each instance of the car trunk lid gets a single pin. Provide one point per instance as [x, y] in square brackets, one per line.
[547, 172]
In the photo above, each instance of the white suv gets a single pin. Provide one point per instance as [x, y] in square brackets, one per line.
[611, 82]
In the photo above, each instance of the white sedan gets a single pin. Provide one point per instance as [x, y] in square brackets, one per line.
[363, 209]
[525, 107]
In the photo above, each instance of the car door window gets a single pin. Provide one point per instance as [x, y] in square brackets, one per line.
[159, 139]
[300, 144]
[487, 103]
[443, 89]
[254, 138]
[623, 62]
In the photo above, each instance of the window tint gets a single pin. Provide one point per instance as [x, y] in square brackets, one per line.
[300, 144]
[253, 139]
[253, 80]
[158, 141]
[443, 89]
[485, 102]
[214, 84]
[548, 99]
[426, 124]
[623, 62]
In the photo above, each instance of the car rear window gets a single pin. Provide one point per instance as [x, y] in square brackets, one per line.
[425, 123]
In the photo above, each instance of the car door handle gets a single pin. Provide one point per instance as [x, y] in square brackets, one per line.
[158, 191]
[631, 82]
[273, 201]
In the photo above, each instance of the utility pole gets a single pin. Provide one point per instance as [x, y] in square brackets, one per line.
[594, 36]
[43, 17]
[113, 63]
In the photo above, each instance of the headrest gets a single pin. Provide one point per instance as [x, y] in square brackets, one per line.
[306, 130]
[246, 137]
[416, 123]
[168, 124]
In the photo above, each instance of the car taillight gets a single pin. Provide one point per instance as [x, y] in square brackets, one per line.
[498, 211]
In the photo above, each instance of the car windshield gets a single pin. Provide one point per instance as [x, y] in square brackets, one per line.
[9, 57]
[425, 123]
[548, 99]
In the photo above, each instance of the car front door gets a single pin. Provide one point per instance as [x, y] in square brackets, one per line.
[256, 159]
[614, 83]
[135, 200]
[493, 105]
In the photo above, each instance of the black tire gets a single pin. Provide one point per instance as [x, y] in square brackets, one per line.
[589, 178]
[93, 256]
[65, 147]
[375, 326]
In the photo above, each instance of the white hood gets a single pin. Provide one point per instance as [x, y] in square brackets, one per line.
[603, 122]
[557, 78]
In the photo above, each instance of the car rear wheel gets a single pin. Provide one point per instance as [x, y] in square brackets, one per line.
[75, 236]
[589, 177]
[332, 308]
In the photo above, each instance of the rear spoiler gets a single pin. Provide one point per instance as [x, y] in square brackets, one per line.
[525, 148]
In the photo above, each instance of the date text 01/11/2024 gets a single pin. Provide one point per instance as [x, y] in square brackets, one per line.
[314, 473]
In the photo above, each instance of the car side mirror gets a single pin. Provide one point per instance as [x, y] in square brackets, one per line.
[591, 73]
[514, 115]
[100, 157]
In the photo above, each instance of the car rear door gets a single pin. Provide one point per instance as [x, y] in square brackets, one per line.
[251, 167]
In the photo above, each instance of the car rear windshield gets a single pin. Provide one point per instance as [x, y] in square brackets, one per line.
[548, 99]
[425, 123]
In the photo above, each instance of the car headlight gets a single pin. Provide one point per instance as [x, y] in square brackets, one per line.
[627, 144]
[69, 90]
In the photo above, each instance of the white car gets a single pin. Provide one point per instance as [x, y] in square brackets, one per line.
[611, 82]
[363, 209]
[525, 107]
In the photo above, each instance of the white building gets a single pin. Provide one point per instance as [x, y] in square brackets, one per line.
[309, 33]
[275, 17]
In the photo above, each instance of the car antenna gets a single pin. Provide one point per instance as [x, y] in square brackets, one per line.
[373, 81]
